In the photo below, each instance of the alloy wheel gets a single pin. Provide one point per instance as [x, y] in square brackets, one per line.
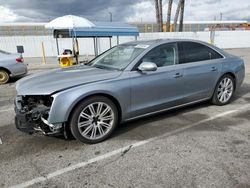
[95, 120]
[225, 90]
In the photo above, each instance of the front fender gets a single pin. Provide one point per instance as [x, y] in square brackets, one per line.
[66, 100]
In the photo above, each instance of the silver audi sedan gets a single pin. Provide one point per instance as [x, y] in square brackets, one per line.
[11, 65]
[128, 81]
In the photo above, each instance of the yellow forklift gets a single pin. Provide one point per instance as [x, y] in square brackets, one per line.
[69, 57]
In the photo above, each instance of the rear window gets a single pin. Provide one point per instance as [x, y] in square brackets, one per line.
[193, 52]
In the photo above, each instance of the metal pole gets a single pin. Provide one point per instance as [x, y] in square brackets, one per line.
[111, 16]
[73, 46]
[94, 46]
[110, 44]
[57, 46]
[117, 40]
[43, 52]
[77, 50]
[97, 46]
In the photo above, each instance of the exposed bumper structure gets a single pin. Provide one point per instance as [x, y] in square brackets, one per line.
[22, 122]
[32, 113]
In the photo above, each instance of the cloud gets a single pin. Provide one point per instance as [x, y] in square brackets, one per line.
[210, 9]
[122, 10]
[7, 15]
[95, 10]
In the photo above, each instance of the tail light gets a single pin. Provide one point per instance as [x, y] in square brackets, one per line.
[19, 59]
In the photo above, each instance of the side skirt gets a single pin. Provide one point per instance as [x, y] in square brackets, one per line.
[166, 109]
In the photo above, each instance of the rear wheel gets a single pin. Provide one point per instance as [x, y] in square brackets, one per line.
[224, 90]
[94, 119]
[4, 77]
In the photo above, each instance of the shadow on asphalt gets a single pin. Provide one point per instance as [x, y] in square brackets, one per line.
[15, 79]
[161, 123]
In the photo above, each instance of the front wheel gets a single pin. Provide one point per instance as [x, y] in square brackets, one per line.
[94, 119]
[224, 90]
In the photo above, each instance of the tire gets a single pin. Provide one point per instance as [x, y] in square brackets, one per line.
[224, 90]
[93, 120]
[4, 76]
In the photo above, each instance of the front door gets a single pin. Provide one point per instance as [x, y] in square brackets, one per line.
[155, 90]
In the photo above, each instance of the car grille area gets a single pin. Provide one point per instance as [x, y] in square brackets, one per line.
[29, 111]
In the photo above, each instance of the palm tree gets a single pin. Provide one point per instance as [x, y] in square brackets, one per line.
[157, 13]
[177, 15]
[181, 15]
[170, 2]
[160, 15]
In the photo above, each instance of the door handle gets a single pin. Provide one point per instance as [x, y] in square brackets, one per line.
[178, 75]
[214, 69]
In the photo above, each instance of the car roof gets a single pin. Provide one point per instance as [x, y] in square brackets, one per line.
[155, 41]
[144, 42]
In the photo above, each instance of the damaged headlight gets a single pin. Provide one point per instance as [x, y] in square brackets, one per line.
[37, 106]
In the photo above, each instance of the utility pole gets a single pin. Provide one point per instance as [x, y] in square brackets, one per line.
[110, 16]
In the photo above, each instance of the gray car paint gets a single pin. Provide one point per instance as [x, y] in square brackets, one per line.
[60, 79]
[8, 61]
[137, 93]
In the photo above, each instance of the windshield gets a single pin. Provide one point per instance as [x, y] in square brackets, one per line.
[118, 57]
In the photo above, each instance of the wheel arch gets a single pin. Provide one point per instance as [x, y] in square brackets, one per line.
[5, 69]
[112, 98]
[231, 74]
[213, 99]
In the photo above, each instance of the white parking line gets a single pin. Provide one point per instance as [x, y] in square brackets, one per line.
[120, 150]
[1, 141]
[7, 110]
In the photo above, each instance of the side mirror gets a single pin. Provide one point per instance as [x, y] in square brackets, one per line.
[147, 66]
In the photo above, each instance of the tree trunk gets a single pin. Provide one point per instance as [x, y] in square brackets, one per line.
[177, 15]
[181, 15]
[157, 13]
[160, 15]
[170, 2]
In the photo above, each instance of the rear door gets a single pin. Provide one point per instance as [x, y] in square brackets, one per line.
[201, 66]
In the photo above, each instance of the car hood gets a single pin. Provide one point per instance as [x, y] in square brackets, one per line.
[49, 82]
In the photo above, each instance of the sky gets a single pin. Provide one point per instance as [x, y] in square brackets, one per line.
[122, 10]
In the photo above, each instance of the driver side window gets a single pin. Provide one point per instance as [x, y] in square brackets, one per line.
[163, 55]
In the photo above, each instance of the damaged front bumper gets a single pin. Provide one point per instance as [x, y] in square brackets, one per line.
[32, 113]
